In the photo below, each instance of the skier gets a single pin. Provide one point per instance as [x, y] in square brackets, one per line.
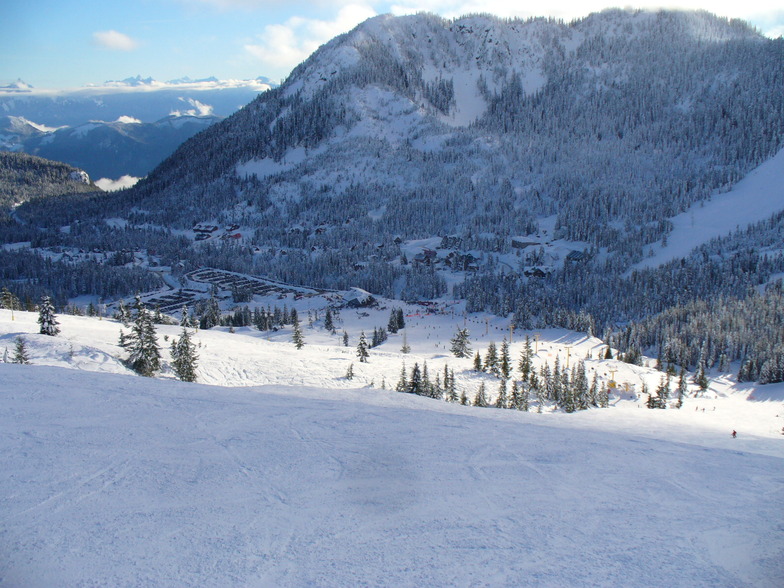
[734, 434]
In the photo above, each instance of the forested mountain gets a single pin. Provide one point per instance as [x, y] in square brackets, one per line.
[26, 177]
[476, 130]
[614, 123]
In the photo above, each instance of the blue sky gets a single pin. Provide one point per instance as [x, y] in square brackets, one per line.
[71, 43]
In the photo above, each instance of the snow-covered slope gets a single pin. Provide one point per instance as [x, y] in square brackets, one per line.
[109, 479]
[755, 198]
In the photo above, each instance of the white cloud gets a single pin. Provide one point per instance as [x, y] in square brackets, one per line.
[128, 120]
[108, 185]
[199, 109]
[283, 46]
[114, 40]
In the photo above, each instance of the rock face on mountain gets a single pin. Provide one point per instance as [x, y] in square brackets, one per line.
[419, 126]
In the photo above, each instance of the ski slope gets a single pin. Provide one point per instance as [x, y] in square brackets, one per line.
[115, 480]
[755, 198]
[301, 477]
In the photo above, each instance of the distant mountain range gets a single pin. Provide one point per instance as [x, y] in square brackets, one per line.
[126, 146]
[119, 127]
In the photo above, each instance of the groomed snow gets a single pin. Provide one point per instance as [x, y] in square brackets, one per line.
[113, 479]
[755, 198]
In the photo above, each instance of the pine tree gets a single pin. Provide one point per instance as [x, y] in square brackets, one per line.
[502, 401]
[329, 324]
[184, 357]
[478, 362]
[415, 381]
[699, 376]
[491, 360]
[350, 372]
[47, 318]
[185, 320]
[526, 357]
[392, 323]
[505, 361]
[451, 390]
[21, 354]
[345, 339]
[362, 348]
[460, 343]
[142, 343]
[427, 385]
[402, 383]
[401, 321]
[122, 314]
[593, 391]
[481, 396]
[296, 337]
[463, 398]
[681, 391]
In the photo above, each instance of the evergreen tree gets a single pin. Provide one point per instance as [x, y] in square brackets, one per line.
[296, 337]
[502, 401]
[122, 314]
[427, 385]
[401, 321]
[142, 343]
[415, 381]
[47, 318]
[481, 396]
[329, 324]
[392, 323]
[505, 361]
[402, 383]
[593, 391]
[21, 354]
[362, 348]
[515, 399]
[681, 391]
[699, 376]
[184, 357]
[463, 398]
[461, 346]
[184, 318]
[478, 362]
[345, 339]
[491, 360]
[526, 357]
[451, 390]
[350, 372]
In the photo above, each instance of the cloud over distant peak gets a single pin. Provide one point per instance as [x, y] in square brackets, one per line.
[114, 40]
[292, 42]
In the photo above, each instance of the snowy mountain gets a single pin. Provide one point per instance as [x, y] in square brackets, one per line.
[522, 166]
[71, 125]
[126, 146]
[420, 127]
